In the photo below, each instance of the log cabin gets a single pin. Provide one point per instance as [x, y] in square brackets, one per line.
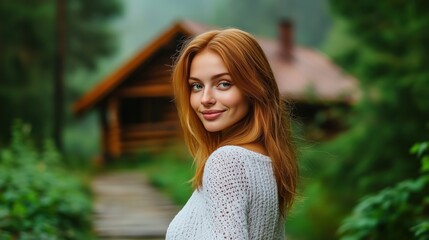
[135, 102]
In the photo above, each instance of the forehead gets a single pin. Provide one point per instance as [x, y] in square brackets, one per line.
[207, 63]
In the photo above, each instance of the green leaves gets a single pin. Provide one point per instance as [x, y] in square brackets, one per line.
[384, 45]
[421, 230]
[38, 198]
[419, 149]
[27, 33]
[425, 164]
[399, 212]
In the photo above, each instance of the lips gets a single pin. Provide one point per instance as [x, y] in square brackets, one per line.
[211, 115]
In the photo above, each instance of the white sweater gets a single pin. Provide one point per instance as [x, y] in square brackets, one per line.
[237, 200]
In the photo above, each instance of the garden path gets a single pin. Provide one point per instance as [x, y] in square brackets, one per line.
[127, 207]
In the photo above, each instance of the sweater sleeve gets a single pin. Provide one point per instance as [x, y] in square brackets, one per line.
[226, 189]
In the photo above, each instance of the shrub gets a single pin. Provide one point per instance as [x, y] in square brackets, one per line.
[170, 171]
[399, 212]
[38, 198]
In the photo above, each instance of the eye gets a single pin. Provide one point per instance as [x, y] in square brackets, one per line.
[224, 85]
[196, 86]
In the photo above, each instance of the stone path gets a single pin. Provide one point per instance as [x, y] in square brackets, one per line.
[127, 207]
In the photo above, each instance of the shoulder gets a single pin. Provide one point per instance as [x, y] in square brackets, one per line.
[229, 154]
[230, 150]
[236, 154]
[230, 159]
[226, 169]
[233, 158]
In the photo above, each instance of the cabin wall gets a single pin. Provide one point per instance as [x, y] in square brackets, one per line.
[140, 113]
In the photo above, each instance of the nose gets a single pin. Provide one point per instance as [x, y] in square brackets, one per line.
[208, 97]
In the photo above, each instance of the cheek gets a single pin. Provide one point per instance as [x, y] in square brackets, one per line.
[194, 102]
[245, 105]
[238, 101]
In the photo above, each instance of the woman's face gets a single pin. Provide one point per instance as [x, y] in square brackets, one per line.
[214, 97]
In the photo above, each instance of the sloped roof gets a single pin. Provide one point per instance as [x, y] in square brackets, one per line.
[309, 74]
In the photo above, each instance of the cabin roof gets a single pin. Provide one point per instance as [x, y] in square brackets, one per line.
[309, 75]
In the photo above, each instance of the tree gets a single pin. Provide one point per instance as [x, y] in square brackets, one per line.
[27, 47]
[388, 52]
[58, 75]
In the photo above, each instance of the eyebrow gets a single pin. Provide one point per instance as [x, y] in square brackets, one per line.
[214, 77]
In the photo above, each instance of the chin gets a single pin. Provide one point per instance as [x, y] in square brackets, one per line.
[211, 128]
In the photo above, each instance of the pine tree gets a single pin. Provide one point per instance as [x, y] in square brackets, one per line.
[27, 43]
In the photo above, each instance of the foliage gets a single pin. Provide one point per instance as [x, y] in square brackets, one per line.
[170, 171]
[399, 212]
[27, 54]
[384, 45]
[385, 50]
[38, 198]
[307, 220]
[388, 55]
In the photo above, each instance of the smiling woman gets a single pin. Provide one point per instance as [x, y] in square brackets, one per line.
[237, 129]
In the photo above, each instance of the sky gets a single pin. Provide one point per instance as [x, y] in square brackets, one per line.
[143, 20]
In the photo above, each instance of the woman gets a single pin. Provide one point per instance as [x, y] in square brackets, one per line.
[236, 127]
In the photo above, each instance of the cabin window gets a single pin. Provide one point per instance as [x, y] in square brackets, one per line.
[144, 110]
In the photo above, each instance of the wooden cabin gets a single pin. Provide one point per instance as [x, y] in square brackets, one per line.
[135, 102]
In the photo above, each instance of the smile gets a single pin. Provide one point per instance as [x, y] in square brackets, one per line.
[212, 115]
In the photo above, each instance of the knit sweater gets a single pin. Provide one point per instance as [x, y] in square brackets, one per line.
[238, 200]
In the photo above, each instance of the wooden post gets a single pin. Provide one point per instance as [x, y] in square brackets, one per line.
[114, 127]
[105, 155]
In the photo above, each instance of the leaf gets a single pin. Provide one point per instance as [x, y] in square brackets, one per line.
[19, 210]
[4, 212]
[425, 164]
[419, 148]
[421, 229]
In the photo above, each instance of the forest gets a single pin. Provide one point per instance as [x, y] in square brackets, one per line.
[371, 181]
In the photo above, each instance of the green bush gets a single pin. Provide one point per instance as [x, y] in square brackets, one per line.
[171, 172]
[38, 198]
[399, 212]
